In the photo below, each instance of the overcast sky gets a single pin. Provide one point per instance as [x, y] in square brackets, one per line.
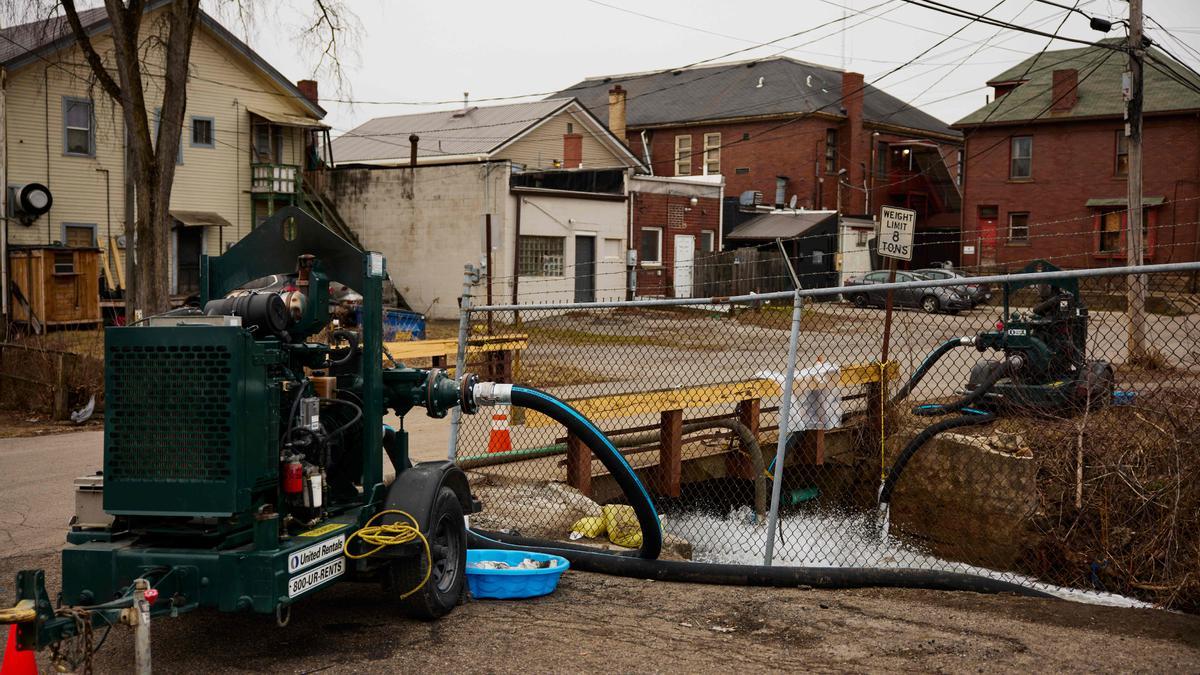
[434, 51]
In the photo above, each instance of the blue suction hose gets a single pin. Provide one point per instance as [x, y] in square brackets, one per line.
[593, 438]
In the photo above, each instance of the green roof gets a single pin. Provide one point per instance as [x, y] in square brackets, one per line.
[1098, 90]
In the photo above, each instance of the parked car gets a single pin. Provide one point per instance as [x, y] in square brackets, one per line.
[860, 291]
[978, 293]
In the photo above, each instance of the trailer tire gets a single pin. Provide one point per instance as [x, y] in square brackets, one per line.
[447, 535]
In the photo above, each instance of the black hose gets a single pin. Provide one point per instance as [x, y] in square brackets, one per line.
[348, 336]
[972, 418]
[358, 413]
[613, 460]
[590, 560]
[923, 369]
[998, 372]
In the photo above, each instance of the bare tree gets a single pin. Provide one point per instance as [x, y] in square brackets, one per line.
[153, 152]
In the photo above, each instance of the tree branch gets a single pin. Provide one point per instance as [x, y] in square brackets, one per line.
[89, 52]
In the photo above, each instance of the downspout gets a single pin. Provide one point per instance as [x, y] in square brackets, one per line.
[4, 193]
[630, 270]
[720, 244]
[516, 269]
[46, 134]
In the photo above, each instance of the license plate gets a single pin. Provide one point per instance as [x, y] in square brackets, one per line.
[1017, 332]
[306, 581]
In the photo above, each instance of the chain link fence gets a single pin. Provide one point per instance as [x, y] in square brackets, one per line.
[1073, 464]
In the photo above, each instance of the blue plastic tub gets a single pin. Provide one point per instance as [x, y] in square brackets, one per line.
[1124, 397]
[504, 584]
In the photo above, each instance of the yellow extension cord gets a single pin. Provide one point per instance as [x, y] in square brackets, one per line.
[382, 536]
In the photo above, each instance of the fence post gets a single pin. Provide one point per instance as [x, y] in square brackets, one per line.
[60, 411]
[470, 278]
[785, 411]
[670, 452]
[579, 465]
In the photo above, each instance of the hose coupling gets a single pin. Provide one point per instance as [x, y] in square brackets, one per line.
[492, 393]
[966, 340]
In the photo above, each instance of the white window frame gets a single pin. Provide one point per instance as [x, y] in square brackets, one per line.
[683, 156]
[1023, 239]
[712, 154]
[712, 241]
[862, 238]
[659, 235]
[67, 102]
[1012, 157]
[212, 132]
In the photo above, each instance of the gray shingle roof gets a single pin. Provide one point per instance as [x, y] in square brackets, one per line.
[1098, 91]
[730, 90]
[783, 225]
[17, 41]
[443, 133]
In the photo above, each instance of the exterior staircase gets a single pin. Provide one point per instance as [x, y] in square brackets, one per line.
[314, 201]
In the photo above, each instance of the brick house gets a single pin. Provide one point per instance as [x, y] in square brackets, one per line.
[782, 128]
[674, 223]
[1046, 164]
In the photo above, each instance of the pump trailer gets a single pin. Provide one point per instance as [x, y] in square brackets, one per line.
[243, 453]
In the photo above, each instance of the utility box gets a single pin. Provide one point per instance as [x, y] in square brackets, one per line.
[54, 286]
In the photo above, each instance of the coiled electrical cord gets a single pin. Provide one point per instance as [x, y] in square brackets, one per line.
[391, 534]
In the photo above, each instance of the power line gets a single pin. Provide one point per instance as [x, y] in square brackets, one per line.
[936, 6]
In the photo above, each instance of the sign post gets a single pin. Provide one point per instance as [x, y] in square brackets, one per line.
[895, 242]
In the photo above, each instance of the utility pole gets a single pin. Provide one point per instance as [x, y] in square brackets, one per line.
[1136, 293]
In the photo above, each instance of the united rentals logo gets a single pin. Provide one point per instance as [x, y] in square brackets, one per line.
[316, 553]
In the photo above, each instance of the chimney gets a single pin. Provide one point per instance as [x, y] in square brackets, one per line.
[308, 88]
[413, 139]
[616, 112]
[854, 150]
[1064, 93]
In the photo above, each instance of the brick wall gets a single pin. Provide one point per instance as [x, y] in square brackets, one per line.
[1072, 163]
[675, 216]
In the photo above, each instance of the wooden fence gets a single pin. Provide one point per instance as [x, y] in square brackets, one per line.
[741, 271]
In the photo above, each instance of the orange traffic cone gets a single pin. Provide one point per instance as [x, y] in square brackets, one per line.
[17, 662]
[499, 441]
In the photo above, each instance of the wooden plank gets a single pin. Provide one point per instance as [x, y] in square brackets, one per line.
[636, 403]
[579, 465]
[670, 452]
[426, 349]
[865, 373]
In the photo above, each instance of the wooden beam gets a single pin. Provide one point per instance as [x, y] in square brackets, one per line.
[670, 452]
[636, 403]
[579, 465]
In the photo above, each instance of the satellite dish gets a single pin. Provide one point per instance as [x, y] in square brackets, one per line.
[792, 203]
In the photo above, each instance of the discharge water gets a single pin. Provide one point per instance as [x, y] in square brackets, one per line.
[836, 538]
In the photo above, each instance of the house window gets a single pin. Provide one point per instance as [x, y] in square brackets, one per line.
[861, 237]
[79, 235]
[960, 164]
[683, 155]
[1121, 166]
[79, 134]
[1110, 231]
[64, 262]
[712, 154]
[203, 132]
[540, 256]
[742, 170]
[650, 246]
[881, 158]
[818, 257]
[708, 240]
[1018, 228]
[1021, 160]
[831, 141]
[268, 144]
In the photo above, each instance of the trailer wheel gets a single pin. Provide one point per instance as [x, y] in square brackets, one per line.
[447, 536]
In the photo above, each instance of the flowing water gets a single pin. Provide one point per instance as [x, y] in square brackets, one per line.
[836, 538]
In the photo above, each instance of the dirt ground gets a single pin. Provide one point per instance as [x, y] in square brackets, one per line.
[595, 623]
